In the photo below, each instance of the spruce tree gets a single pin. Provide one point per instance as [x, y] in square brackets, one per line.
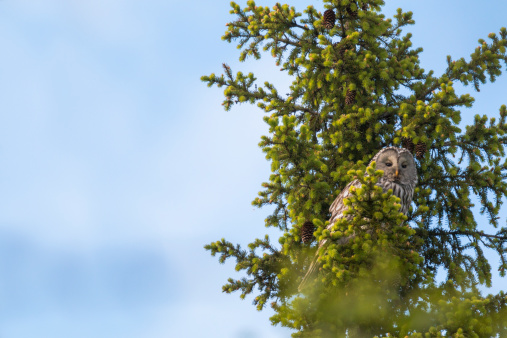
[357, 86]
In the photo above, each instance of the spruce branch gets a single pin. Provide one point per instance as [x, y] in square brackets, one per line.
[320, 136]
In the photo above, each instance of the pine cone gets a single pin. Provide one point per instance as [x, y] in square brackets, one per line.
[407, 144]
[329, 19]
[420, 150]
[350, 97]
[307, 232]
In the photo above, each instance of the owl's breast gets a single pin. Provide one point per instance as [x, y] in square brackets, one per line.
[403, 192]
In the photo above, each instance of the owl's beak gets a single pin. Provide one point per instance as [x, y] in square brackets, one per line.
[396, 174]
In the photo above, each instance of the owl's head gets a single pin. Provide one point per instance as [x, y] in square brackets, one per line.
[398, 165]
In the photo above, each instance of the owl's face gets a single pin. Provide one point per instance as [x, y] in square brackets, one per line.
[398, 167]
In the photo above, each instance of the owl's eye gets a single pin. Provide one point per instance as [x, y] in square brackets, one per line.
[389, 164]
[404, 165]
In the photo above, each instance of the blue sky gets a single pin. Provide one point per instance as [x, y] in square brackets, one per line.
[118, 164]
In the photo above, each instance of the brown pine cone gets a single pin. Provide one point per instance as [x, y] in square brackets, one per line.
[420, 150]
[350, 98]
[307, 232]
[329, 19]
[407, 144]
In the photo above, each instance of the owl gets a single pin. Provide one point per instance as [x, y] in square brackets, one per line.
[400, 175]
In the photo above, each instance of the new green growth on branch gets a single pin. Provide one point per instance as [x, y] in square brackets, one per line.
[357, 87]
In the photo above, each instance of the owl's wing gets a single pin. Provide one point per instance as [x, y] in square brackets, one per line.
[337, 207]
